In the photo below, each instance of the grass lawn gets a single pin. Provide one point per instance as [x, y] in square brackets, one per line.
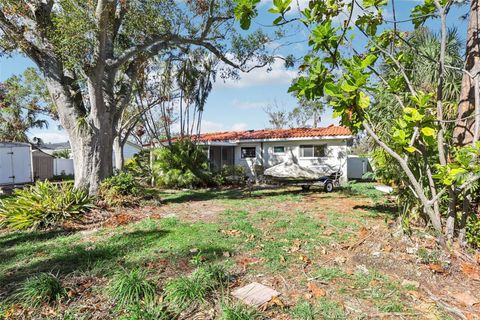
[332, 256]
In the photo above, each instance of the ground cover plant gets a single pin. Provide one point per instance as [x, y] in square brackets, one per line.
[43, 205]
[332, 256]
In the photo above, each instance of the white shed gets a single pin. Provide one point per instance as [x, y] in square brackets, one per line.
[15, 163]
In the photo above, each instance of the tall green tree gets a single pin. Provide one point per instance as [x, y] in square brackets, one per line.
[22, 106]
[352, 79]
[90, 53]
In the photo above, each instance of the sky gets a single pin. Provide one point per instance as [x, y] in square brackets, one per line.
[239, 104]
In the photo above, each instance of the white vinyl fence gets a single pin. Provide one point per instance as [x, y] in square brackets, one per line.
[63, 167]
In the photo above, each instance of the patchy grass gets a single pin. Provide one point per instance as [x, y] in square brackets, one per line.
[181, 260]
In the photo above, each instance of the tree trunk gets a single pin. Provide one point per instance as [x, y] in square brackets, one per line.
[118, 146]
[452, 214]
[92, 157]
[463, 133]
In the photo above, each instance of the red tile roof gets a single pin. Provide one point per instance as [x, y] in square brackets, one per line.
[330, 131]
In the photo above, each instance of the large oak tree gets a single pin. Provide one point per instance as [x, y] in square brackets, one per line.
[91, 51]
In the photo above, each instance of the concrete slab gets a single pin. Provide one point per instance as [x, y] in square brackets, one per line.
[255, 294]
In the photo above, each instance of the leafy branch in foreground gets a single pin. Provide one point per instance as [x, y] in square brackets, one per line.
[383, 76]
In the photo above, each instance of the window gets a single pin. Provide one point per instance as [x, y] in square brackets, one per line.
[248, 152]
[313, 151]
[279, 149]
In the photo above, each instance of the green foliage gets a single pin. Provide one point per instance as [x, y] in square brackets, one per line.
[132, 287]
[323, 309]
[239, 312]
[139, 166]
[149, 311]
[427, 256]
[62, 154]
[194, 288]
[22, 100]
[185, 290]
[473, 231]
[183, 165]
[304, 311]
[121, 190]
[231, 175]
[245, 12]
[364, 189]
[463, 167]
[41, 288]
[43, 205]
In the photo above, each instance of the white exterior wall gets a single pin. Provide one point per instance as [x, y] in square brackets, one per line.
[63, 166]
[248, 163]
[15, 163]
[129, 151]
[335, 159]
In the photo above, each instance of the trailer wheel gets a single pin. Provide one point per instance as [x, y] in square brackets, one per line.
[328, 187]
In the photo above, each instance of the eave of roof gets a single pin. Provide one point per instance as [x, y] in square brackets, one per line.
[276, 134]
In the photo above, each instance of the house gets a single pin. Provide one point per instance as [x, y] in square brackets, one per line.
[129, 150]
[322, 149]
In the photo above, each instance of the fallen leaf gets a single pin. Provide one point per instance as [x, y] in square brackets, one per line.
[227, 254]
[308, 296]
[437, 268]
[328, 232]
[387, 248]
[282, 259]
[232, 233]
[276, 301]
[374, 283]
[363, 232]
[316, 290]
[340, 260]
[477, 258]
[466, 299]
[297, 244]
[471, 271]
[305, 259]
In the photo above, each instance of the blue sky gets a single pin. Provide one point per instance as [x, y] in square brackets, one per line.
[238, 105]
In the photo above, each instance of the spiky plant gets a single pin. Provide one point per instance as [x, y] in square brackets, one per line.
[41, 288]
[131, 287]
[44, 205]
[239, 312]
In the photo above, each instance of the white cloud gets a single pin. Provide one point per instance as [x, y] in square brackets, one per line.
[211, 126]
[249, 104]
[239, 126]
[258, 77]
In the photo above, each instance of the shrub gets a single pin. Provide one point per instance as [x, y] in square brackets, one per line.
[473, 231]
[183, 165]
[231, 175]
[43, 205]
[132, 287]
[239, 312]
[120, 190]
[140, 167]
[42, 288]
